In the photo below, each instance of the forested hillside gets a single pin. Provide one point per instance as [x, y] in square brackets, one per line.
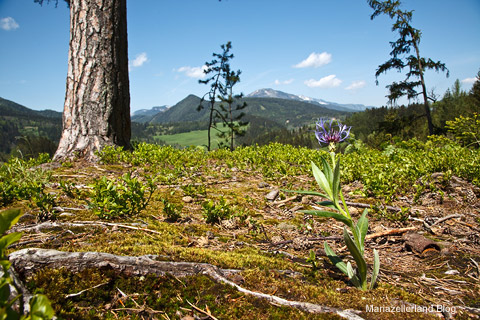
[25, 132]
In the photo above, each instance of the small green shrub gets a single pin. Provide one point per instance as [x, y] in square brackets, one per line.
[45, 202]
[19, 181]
[172, 211]
[40, 307]
[193, 190]
[111, 199]
[69, 189]
[215, 212]
[466, 130]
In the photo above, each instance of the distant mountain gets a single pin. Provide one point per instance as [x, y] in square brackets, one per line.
[284, 112]
[145, 115]
[183, 111]
[271, 93]
[12, 109]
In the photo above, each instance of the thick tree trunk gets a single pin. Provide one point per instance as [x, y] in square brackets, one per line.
[97, 100]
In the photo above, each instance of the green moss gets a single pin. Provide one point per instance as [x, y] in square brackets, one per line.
[164, 294]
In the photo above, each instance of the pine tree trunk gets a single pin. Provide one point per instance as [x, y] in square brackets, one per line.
[97, 100]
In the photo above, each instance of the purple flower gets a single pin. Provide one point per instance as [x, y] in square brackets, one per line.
[331, 131]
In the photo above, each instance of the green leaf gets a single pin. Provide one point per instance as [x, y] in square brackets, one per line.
[350, 272]
[7, 240]
[5, 264]
[358, 257]
[327, 170]
[40, 308]
[352, 276]
[322, 180]
[330, 214]
[376, 268]
[362, 228]
[8, 218]
[335, 259]
[328, 204]
[307, 192]
[345, 207]
[4, 292]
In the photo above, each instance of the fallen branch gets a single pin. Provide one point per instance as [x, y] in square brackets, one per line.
[285, 200]
[51, 225]
[368, 206]
[42, 240]
[118, 225]
[26, 261]
[197, 184]
[446, 218]
[389, 232]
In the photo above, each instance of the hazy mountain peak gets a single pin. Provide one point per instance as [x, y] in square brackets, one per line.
[152, 111]
[271, 93]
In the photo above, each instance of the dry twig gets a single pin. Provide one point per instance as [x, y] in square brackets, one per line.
[200, 310]
[85, 290]
[389, 232]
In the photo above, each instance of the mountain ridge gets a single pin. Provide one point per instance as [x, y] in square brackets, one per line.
[272, 93]
[285, 112]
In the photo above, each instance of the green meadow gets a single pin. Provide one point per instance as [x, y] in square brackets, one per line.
[192, 138]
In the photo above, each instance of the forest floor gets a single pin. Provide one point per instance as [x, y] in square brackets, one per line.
[429, 247]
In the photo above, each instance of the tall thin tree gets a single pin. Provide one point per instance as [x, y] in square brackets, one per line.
[230, 108]
[409, 38]
[221, 82]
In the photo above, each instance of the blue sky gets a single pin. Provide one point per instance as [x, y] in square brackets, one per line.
[317, 48]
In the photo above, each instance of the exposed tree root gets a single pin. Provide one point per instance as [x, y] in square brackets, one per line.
[26, 261]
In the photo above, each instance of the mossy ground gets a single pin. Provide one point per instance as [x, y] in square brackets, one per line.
[248, 245]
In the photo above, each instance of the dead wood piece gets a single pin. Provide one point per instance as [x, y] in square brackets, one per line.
[207, 312]
[51, 225]
[20, 289]
[367, 206]
[476, 264]
[85, 290]
[285, 200]
[27, 261]
[390, 232]
[446, 218]
[118, 225]
[469, 225]
[45, 239]
[198, 184]
[419, 244]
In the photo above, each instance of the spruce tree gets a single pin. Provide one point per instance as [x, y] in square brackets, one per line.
[222, 80]
[409, 38]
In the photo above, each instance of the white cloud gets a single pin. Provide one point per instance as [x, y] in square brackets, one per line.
[315, 60]
[140, 59]
[356, 85]
[330, 81]
[278, 82]
[193, 72]
[8, 24]
[469, 80]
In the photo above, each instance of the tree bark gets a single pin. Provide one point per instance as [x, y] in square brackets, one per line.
[97, 100]
[424, 87]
